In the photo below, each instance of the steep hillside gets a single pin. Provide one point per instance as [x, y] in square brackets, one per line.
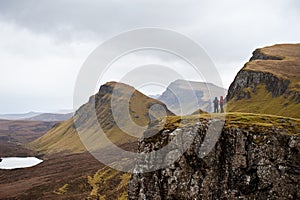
[61, 138]
[64, 137]
[186, 92]
[51, 117]
[269, 83]
[256, 157]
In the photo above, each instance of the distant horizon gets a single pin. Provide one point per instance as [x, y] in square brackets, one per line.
[59, 111]
[39, 112]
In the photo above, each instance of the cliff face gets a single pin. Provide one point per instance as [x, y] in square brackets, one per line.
[269, 83]
[246, 82]
[248, 162]
[257, 156]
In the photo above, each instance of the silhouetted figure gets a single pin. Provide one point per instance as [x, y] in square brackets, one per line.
[222, 104]
[216, 105]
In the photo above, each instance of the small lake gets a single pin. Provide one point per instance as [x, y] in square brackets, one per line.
[19, 162]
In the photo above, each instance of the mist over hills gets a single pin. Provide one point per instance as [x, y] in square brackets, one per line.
[19, 116]
[38, 116]
[185, 97]
[50, 117]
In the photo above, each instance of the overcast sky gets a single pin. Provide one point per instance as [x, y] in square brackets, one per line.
[44, 43]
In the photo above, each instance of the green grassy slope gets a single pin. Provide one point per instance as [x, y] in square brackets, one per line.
[61, 138]
[262, 102]
[65, 138]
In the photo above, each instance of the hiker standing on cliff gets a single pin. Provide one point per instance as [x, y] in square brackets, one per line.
[216, 105]
[222, 104]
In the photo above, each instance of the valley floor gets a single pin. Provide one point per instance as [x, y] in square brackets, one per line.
[45, 180]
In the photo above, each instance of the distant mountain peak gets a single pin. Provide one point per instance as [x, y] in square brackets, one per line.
[112, 96]
[185, 97]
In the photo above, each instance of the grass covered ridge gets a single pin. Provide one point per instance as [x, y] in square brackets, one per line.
[287, 67]
[281, 61]
[258, 122]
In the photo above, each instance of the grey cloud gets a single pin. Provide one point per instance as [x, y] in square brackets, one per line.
[228, 30]
[101, 17]
[218, 25]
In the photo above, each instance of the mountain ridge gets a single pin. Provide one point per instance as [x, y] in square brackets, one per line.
[268, 83]
[65, 138]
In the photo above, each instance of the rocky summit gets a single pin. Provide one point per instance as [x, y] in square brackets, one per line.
[268, 83]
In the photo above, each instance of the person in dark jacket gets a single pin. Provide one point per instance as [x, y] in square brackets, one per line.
[216, 105]
[222, 104]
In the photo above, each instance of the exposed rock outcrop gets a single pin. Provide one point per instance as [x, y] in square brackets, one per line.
[253, 162]
[247, 80]
[272, 76]
[259, 55]
[255, 157]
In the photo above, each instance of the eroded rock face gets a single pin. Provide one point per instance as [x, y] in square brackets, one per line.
[247, 79]
[259, 55]
[276, 67]
[245, 163]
